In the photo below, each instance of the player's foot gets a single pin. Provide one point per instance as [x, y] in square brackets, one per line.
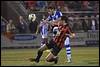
[56, 60]
[35, 60]
[69, 61]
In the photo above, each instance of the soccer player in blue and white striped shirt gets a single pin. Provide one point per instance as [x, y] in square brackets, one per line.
[43, 27]
[54, 17]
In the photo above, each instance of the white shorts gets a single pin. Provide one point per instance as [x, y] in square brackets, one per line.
[44, 36]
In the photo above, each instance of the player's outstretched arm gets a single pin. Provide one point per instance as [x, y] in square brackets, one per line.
[37, 30]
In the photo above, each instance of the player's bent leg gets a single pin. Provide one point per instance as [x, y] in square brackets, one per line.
[51, 58]
[39, 53]
[43, 48]
[46, 42]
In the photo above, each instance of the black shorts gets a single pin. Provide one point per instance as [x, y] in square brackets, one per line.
[54, 48]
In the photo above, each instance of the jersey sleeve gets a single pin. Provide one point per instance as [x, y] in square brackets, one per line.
[57, 15]
[60, 14]
[49, 18]
[70, 30]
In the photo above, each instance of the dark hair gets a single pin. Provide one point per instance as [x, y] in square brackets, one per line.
[50, 7]
[64, 18]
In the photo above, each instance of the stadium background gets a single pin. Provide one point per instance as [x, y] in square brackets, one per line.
[85, 36]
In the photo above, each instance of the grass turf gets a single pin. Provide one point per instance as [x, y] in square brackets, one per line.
[81, 56]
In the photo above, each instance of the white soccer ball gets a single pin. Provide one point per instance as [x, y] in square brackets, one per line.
[32, 17]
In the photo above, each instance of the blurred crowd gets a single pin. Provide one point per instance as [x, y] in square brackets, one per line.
[11, 26]
[62, 5]
[76, 22]
[84, 23]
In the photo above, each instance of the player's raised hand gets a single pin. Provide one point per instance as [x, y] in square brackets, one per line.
[72, 35]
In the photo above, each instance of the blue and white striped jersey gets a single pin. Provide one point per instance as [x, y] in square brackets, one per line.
[57, 14]
[44, 29]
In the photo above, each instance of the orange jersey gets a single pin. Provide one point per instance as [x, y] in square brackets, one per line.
[59, 40]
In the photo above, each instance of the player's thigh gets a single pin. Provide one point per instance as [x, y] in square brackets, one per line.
[49, 56]
[44, 40]
[43, 47]
[55, 50]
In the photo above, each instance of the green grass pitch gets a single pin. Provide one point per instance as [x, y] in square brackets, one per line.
[81, 56]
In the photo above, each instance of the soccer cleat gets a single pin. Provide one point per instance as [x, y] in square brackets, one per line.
[69, 60]
[56, 60]
[31, 59]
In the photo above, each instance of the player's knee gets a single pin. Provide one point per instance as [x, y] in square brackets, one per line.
[40, 50]
[47, 60]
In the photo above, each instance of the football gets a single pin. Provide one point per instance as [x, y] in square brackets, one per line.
[32, 17]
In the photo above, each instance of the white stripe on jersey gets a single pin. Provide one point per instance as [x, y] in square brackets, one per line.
[44, 30]
[55, 16]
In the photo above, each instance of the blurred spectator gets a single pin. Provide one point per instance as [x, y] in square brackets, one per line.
[93, 23]
[60, 4]
[74, 5]
[3, 26]
[96, 6]
[77, 6]
[10, 28]
[85, 23]
[31, 5]
[33, 24]
[52, 4]
[77, 26]
[85, 3]
[97, 20]
[41, 5]
[85, 6]
[71, 21]
[22, 25]
[66, 9]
